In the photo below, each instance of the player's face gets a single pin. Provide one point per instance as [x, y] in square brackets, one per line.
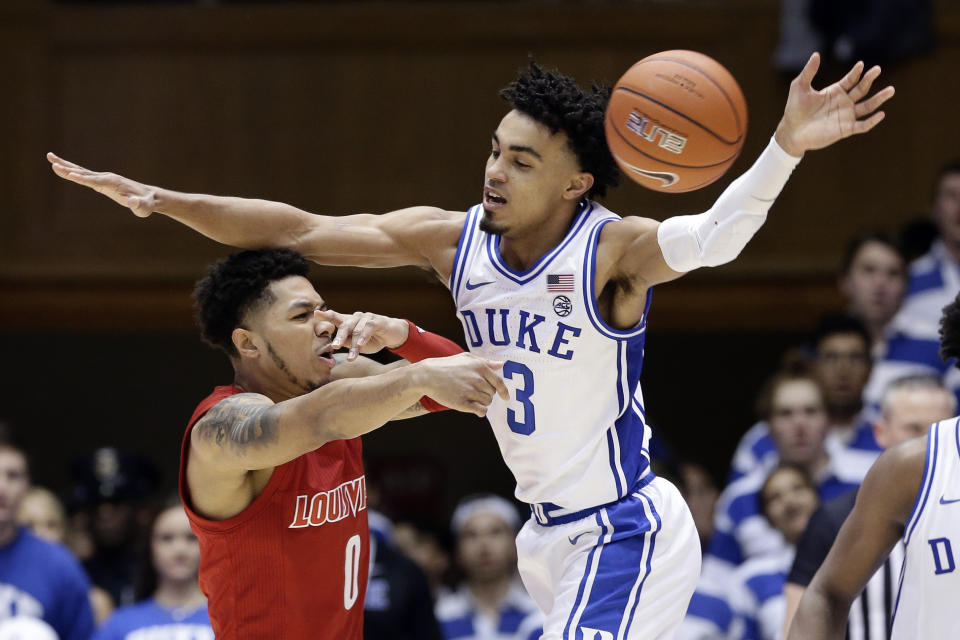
[910, 412]
[790, 502]
[946, 208]
[293, 345]
[798, 421]
[843, 366]
[14, 482]
[43, 516]
[486, 548]
[175, 550]
[875, 283]
[528, 176]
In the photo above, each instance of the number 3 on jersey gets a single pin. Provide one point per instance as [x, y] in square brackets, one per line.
[524, 378]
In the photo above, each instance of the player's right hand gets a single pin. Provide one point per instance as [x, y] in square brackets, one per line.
[464, 382]
[137, 197]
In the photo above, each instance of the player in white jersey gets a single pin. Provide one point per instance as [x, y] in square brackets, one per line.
[558, 287]
[911, 493]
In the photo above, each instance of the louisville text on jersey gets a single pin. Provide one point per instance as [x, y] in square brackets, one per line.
[331, 506]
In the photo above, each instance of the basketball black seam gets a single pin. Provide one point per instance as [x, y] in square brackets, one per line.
[672, 164]
[708, 77]
[684, 116]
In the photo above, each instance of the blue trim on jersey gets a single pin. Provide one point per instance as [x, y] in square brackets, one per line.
[957, 437]
[586, 573]
[896, 604]
[463, 250]
[901, 348]
[543, 511]
[589, 291]
[523, 277]
[630, 428]
[612, 447]
[457, 627]
[510, 620]
[653, 544]
[926, 281]
[711, 608]
[929, 469]
[765, 586]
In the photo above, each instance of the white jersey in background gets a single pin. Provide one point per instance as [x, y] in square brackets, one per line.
[926, 603]
[573, 432]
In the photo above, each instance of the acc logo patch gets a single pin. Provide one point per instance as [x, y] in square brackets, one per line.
[562, 306]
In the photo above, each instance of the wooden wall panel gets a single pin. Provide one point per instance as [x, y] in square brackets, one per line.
[372, 106]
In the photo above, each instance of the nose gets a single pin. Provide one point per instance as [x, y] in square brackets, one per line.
[495, 173]
[322, 324]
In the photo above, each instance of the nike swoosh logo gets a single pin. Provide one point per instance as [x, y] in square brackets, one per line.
[945, 501]
[574, 539]
[668, 179]
[471, 287]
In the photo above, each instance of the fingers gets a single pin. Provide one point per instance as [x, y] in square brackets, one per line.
[496, 380]
[862, 87]
[870, 105]
[809, 70]
[862, 126]
[360, 333]
[55, 159]
[849, 81]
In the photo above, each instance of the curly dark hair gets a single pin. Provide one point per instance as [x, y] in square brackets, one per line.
[555, 100]
[235, 285]
[950, 331]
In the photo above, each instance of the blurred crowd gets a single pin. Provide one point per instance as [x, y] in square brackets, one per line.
[112, 560]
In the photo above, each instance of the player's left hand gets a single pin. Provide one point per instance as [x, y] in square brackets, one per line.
[815, 119]
[365, 332]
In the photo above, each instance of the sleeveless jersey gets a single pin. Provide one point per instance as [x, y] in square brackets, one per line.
[294, 563]
[930, 580]
[573, 432]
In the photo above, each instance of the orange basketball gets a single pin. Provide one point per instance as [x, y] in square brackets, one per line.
[676, 121]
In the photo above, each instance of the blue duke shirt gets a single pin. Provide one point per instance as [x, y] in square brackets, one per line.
[148, 620]
[43, 580]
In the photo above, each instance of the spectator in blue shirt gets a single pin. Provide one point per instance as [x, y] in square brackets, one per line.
[934, 280]
[491, 603]
[38, 579]
[170, 604]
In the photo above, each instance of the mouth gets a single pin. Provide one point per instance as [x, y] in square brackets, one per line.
[325, 354]
[493, 199]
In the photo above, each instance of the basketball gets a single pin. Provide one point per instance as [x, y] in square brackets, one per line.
[676, 121]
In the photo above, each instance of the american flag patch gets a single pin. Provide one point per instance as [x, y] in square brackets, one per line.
[560, 282]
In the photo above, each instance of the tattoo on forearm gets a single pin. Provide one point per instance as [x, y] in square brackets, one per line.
[240, 422]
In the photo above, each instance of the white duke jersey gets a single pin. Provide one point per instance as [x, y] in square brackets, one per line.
[573, 431]
[929, 580]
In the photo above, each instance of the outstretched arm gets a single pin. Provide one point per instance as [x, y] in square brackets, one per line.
[248, 431]
[876, 523]
[812, 119]
[419, 236]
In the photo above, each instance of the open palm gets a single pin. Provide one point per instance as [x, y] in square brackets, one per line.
[815, 119]
[138, 197]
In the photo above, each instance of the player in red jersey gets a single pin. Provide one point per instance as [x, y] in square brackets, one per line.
[270, 469]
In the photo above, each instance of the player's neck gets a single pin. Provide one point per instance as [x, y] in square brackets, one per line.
[489, 594]
[952, 247]
[521, 250]
[179, 595]
[842, 418]
[8, 531]
[253, 381]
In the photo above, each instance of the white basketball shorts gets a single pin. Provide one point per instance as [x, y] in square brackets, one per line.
[626, 572]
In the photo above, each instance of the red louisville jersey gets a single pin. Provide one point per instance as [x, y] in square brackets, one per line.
[292, 565]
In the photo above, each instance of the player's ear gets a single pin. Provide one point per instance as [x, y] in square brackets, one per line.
[244, 343]
[579, 184]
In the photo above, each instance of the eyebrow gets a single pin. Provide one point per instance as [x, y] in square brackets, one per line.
[520, 148]
[306, 304]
